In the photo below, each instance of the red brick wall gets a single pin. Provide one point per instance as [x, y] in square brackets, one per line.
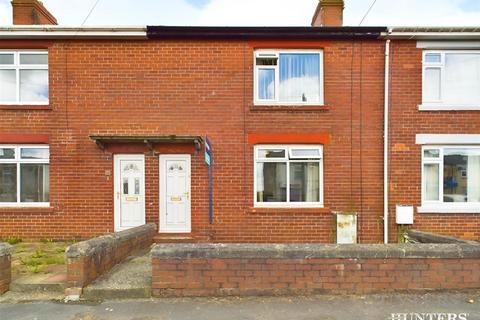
[206, 277]
[405, 156]
[102, 255]
[199, 88]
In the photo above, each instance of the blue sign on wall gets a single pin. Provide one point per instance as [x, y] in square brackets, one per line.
[208, 161]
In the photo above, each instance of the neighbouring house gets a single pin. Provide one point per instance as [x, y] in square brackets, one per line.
[105, 128]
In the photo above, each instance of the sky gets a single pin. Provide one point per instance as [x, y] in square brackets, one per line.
[255, 12]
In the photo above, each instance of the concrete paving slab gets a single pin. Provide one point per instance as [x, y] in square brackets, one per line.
[130, 279]
[428, 306]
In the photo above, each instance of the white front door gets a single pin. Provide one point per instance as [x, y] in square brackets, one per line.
[175, 193]
[129, 191]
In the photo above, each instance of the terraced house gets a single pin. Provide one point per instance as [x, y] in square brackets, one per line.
[312, 134]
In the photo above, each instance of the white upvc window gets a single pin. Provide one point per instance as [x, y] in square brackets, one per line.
[288, 176]
[24, 77]
[450, 178]
[24, 175]
[451, 80]
[288, 77]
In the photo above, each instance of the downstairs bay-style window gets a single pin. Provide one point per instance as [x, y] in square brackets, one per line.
[288, 176]
[24, 175]
[451, 178]
[451, 80]
[288, 77]
[23, 77]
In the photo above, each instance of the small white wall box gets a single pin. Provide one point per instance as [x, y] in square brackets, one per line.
[404, 214]
[346, 227]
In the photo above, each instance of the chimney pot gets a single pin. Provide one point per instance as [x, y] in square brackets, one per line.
[329, 13]
[29, 12]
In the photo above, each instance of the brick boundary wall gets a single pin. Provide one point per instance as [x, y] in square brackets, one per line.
[5, 267]
[428, 237]
[87, 260]
[279, 269]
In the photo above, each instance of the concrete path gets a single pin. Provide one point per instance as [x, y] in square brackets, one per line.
[372, 307]
[128, 280]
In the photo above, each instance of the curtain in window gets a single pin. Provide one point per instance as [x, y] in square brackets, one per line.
[299, 77]
[431, 173]
[313, 182]
[266, 84]
[462, 78]
[473, 174]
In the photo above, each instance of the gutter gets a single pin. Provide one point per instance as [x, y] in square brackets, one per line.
[385, 141]
[61, 32]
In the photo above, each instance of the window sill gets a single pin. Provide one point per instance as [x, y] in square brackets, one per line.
[25, 107]
[448, 209]
[294, 108]
[447, 107]
[297, 210]
[26, 209]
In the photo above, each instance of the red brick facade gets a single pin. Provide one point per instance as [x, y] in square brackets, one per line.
[405, 156]
[181, 87]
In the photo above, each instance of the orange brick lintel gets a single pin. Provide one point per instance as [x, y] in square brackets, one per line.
[308, 138]
[24, 138]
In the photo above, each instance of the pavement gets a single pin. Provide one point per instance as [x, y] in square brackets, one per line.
[404, 306]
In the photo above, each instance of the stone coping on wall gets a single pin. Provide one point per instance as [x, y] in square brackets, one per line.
[90, 247]
[427, 237]
[316, 251]
[5, 249]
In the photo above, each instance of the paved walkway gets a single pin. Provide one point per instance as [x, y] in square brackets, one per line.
[127, 280]
[276, 308]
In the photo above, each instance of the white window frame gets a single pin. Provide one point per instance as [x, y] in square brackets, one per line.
[441, 105]
[439, 206]
[287, 159]
[18, 161]
[17, 67]
[276, 53]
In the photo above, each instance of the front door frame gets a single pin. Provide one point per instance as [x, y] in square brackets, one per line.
[162, 187]
[117, 185]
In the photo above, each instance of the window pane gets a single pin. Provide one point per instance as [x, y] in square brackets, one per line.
[433, 58]
[34, 185]
[461, 175]
[35, 153]
[7, 153]
[300, 77]
[6, 58]
[431, 88]
[270, 61]
[462, 78]
[28, 58]
[34, 85]
[431, 153]
[272, 182]
[431, 183]
[304, 182]
[8, 85]
[125, 185]
[8, 182]
[305, 153]
[266, 84]
[137, 185]
[271, 153]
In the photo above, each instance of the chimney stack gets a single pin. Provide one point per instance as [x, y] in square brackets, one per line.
[329, 13]
[29, 12]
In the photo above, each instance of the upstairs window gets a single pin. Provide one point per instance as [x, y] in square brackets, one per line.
[288, 176]
[451, 78]
[23, 77]
[288, 77]
[24, 175]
